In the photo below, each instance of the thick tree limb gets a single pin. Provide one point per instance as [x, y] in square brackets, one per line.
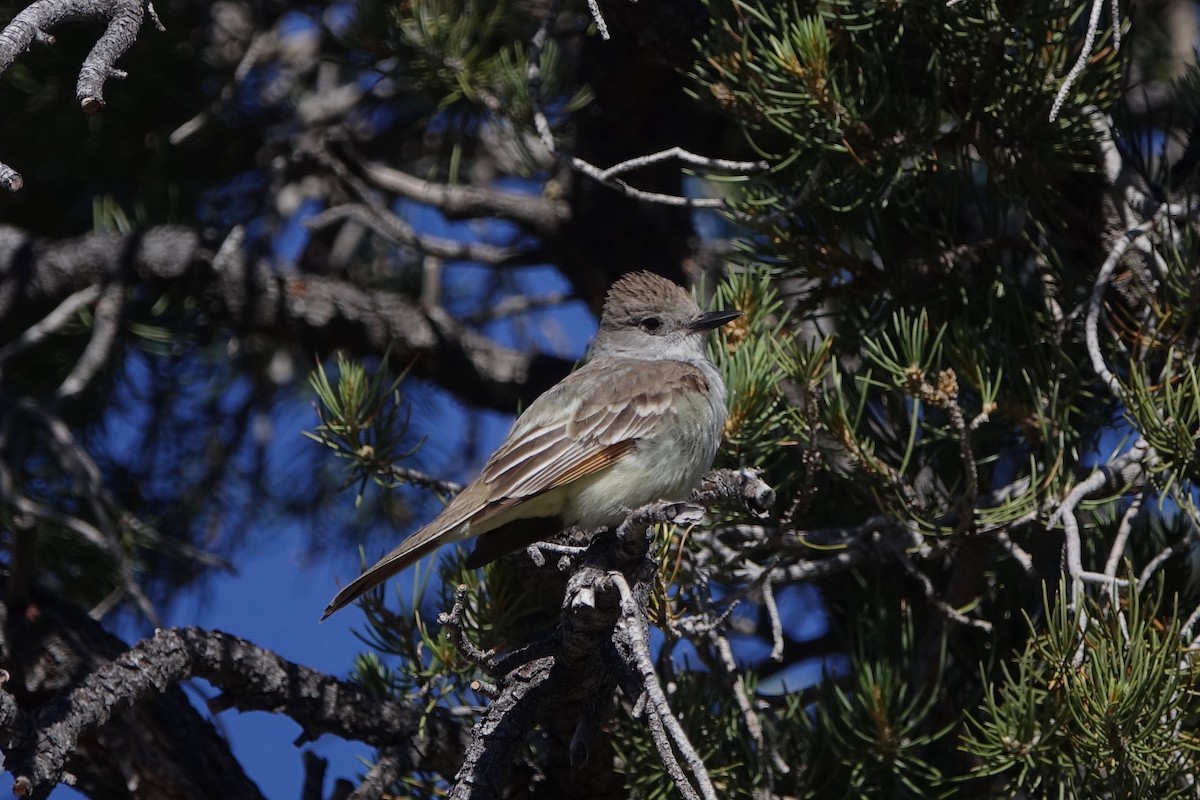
[320, 312]
[251, 678]
[163, 746]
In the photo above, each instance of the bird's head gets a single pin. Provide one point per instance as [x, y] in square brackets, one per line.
[648, 317]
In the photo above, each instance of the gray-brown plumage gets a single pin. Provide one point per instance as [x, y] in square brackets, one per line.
[639, 422]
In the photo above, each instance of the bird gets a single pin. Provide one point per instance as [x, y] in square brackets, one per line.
[640, 421]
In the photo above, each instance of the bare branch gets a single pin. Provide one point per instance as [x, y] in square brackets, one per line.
[1096, 299]
[105, 325]
[250, 57]
[249, 297]
[124, 22]
[750, 717]
[453, 621]
[1117, 551]
[251, 678]
[1085, 51]
[631, 626]
[1128, 470]
[608, 177]
[51, 323]
[425, 481]
[373, 213]
[33, 25]
[931, 594]
[598, 18]
[542, 214]
[394, 229]
[768, 596]
[1014, 550]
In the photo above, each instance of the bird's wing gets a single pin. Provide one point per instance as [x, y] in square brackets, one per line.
[625, 401]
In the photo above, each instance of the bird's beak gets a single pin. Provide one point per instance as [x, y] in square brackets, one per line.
[712, 319]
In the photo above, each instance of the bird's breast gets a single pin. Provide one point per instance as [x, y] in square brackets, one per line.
[666, 464]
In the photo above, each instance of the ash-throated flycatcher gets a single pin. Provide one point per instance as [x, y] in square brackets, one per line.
[639, 422]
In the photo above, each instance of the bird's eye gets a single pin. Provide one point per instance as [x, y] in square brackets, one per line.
[651, 324]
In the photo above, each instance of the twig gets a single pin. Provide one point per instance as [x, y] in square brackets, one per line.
[768, 595]
[50, 323]
[1122, 538]
[125, 20]
[565, 550]
[1188, 625]
[601, 25]
[638, 162]
[931, 594]
[1014, 550]
[1161, 558]
[662, 743]
[1085, 52]
[632, 624]
[422, 479]
[533, 74]
[105, 326]
[608, 176]
[249, 58]
[543, 214]
[453, 621]
[518, 304]
[391, 227]
[604, 177]
[1125, 470]
[1096, 299]
[749, 716]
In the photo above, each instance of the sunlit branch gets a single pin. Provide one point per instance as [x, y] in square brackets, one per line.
[124, 21]
[608, 176]
[1130, 469]
[1117, 551]
[543, 215]
[1096, 300]
[1085, 51]
[631, 625]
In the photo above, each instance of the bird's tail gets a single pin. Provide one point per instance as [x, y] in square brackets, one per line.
[408, 552]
